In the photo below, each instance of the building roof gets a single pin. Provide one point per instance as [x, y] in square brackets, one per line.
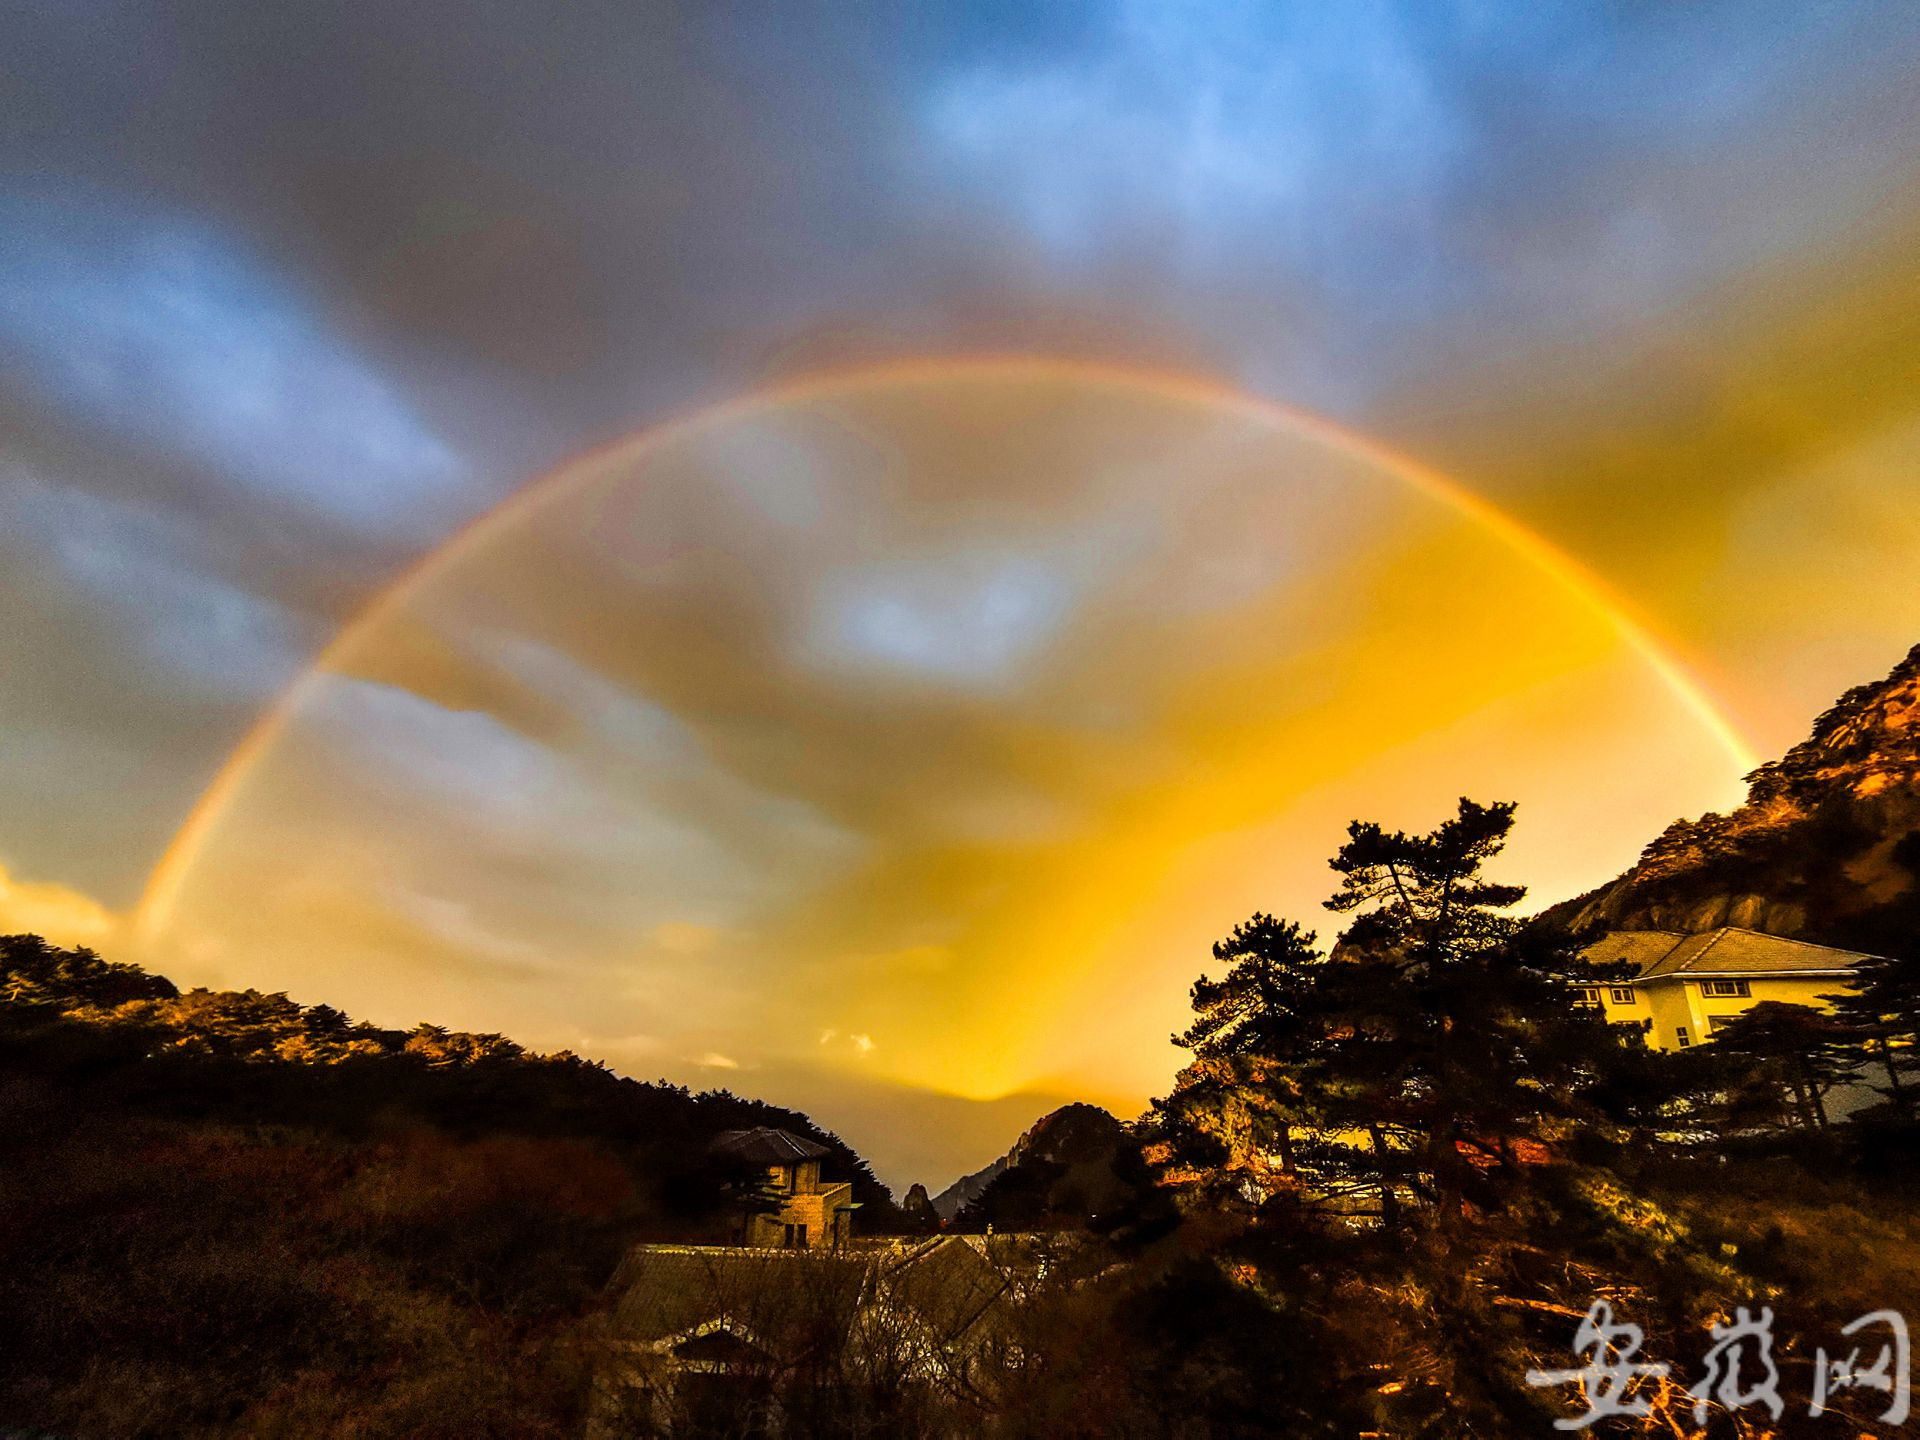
[1641, 949]
[766, 1146]
[949, 1282]
[779, 1300]
[1730, 950]
[672, 1291]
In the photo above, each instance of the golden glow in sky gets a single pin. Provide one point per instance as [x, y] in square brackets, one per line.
[914, 731]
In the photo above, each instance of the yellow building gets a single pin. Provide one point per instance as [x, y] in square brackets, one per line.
[811, 1215]
[1689, 986]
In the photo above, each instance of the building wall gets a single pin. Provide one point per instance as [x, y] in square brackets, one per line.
[817, 1209]
[800, 1178]
[1677, 1001]
[1667, 1006]
[1634, 1010]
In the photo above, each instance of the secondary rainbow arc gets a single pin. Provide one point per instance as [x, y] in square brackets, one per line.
[170, 874]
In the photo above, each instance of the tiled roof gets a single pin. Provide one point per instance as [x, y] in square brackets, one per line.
[1640, 948]
[778, 1300]
[1727, 951]
[948, 1283]
[767, 1146]
[674, 1290]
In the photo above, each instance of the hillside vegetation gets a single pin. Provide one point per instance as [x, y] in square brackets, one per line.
[227, 1213]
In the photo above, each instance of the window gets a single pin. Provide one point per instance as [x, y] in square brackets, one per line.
[1623, 995]
[796, 1237]
[1680, 1034]
[1728, 987]
[1586, 995]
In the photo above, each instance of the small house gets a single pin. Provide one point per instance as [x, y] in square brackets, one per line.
[1687, 987]
[810, 1213]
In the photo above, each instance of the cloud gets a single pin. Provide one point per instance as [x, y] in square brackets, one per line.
[53, 912]
[457, 929]
[617, 1047]
[164, 332]
[1218, 117]
[969, 622]
[714, 1060]
[158, 579]
[825, 708]
[858, 1042]
[1338, 195]
[909, 960]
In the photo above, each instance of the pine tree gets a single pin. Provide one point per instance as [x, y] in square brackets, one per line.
[1882, 1012]
[1259, 1037]
[1423, 1057]
[1779, 1058]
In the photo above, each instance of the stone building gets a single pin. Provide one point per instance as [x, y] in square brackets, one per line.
[811, 1214]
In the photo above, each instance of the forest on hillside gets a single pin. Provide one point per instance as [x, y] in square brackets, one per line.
[228, 1213]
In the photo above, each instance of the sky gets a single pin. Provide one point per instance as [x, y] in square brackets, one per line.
[1087, 453]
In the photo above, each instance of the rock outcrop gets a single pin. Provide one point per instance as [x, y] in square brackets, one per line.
[1826, 847]
[918, 1209]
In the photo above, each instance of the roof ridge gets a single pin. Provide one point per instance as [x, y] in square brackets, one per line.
[1714, 938]
[1786, 939]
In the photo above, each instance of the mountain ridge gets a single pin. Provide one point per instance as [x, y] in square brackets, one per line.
[1825, 848]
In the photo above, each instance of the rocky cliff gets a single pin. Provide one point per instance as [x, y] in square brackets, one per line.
[1826, 847]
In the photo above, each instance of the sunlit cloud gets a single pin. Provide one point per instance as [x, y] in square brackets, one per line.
[649, 809]
[963, 726]
[54, 912]
[858, 1043]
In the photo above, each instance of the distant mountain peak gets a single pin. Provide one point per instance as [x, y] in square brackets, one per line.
[1071, 1134]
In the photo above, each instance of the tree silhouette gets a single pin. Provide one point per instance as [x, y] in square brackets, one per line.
[1882, 1012]
[1779, 1061]
[1428, 1056]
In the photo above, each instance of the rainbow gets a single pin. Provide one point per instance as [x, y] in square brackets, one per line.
[169, 875]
